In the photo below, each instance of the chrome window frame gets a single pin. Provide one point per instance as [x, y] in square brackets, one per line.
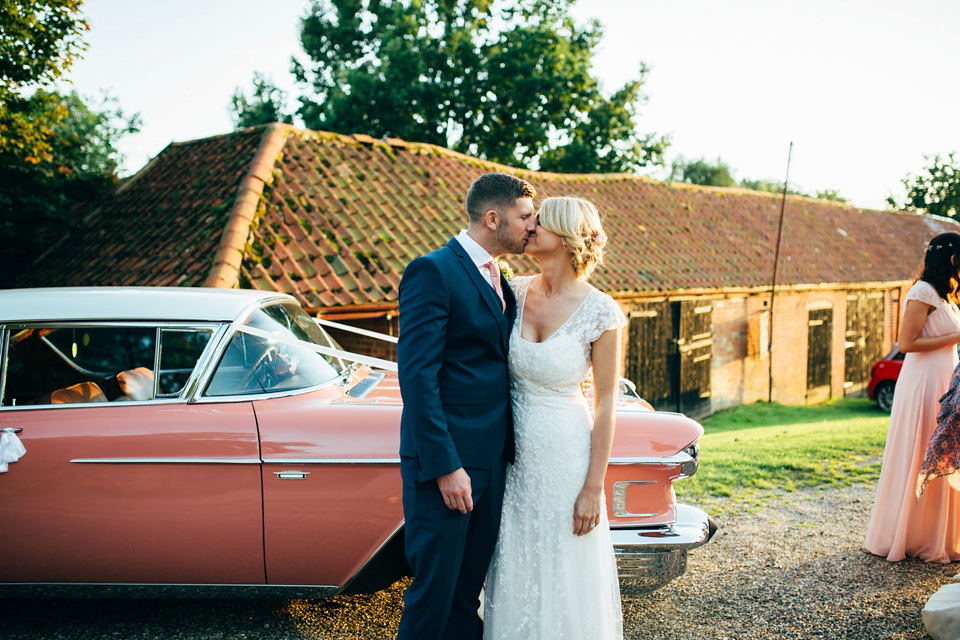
[217, 327]
[3, 360]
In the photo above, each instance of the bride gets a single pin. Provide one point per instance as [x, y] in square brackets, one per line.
[553, 573]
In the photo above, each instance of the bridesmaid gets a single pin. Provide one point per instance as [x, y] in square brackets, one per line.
[902, 525]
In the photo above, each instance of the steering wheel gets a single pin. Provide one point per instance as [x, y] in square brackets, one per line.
[259, 368]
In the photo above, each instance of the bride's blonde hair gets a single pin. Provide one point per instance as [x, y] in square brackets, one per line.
[577, 222]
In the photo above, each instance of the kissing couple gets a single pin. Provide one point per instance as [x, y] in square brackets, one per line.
[502, 464]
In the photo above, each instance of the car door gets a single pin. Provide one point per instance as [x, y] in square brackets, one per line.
[331, 485]
[331, 474]
[128, 490]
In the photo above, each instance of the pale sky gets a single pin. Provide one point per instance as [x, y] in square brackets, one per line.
[863, 88]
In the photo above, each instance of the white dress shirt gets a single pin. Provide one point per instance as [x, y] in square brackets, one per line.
[477, 253]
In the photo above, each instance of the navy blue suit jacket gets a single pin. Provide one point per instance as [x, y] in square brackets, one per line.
[452, 358]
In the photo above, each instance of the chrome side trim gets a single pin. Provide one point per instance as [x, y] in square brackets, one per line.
[166, 460]
[675, 459]
[283, 461]
[125, 590]
[295, 461]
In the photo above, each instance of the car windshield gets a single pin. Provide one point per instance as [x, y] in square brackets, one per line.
[272, 352]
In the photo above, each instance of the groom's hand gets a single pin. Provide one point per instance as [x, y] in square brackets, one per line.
[455, 488]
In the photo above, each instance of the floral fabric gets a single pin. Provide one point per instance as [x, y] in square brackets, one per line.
[943, 454]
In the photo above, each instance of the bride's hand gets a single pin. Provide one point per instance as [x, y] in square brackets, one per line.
[586, 511]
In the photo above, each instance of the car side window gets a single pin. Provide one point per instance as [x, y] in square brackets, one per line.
[84, 364]
[180, 349]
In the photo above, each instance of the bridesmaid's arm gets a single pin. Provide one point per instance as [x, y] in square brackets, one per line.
[914, 315]
[606, 383]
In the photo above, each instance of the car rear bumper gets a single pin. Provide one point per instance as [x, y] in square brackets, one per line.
[649, 558]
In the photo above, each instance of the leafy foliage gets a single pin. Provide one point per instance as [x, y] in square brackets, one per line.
[39, 40]
[703, 172]
[505, 80]
[937, 191]
[39, 200]
[267, 103]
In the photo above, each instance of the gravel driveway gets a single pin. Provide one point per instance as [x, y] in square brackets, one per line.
[794, 569]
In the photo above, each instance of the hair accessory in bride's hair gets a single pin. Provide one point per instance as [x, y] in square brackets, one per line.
[599, 239]
[939, 246]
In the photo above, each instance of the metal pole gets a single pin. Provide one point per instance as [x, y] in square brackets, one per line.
[776, 264]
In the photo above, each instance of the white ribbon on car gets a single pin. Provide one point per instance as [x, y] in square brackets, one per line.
[378, 363]
[10, 448]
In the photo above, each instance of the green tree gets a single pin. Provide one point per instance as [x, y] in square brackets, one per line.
[39, 40]
[39, 199]
[505, 80]
[267, 103]
[719, 174]
[702, 172]
[937, 191]
[771, 186]
[830, 194]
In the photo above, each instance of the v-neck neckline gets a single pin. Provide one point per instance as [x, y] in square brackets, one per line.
[523, 307]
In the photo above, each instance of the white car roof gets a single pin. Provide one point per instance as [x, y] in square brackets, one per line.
[128, 303]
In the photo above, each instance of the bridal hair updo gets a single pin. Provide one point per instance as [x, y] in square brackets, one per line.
[577, 222]
[941, 265]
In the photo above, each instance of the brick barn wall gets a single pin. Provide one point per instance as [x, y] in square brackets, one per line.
[740, 351]
[729, 378]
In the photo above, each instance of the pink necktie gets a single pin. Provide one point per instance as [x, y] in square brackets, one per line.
[495, 280]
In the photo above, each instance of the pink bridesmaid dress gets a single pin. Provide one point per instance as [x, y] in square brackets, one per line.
[901, 524]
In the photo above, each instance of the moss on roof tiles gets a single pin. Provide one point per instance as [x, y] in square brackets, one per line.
[387, 204]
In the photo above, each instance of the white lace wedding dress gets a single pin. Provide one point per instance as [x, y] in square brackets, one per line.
[544, 582]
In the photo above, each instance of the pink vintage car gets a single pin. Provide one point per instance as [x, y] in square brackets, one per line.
[221, 439]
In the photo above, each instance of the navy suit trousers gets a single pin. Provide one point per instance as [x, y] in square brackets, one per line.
[442, 601]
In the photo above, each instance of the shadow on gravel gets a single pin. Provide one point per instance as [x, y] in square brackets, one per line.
[341, 618]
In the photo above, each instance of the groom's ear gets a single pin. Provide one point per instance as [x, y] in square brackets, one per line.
[491, 219]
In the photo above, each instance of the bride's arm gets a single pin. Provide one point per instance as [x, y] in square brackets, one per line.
[606, 381]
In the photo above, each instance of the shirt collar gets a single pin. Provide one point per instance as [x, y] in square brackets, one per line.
[478, 254]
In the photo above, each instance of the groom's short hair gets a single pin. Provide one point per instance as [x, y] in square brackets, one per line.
[495, 191]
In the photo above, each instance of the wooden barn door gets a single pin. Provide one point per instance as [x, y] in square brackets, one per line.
[864, 337]
[819, 354]
[651, 354]
[669, 354]
[695, 346]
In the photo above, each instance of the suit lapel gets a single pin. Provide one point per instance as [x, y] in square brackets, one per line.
[511, 301]
[485, 288]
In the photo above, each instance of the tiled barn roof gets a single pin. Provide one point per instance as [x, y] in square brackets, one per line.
[333, 220]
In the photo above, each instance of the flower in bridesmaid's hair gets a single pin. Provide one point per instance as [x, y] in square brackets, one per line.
[599, 239]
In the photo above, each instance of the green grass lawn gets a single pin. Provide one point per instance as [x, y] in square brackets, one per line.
[749, 452]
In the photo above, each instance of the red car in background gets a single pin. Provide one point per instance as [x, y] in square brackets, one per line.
[883, 378]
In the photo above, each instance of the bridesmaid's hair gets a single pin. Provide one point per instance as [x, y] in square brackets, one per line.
[941, 265]
[577, 222]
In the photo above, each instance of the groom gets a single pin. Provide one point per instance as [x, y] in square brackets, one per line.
[456, 433]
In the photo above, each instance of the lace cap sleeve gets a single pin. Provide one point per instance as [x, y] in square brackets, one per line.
[924, 292]
[519, 284]
[606, 315]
